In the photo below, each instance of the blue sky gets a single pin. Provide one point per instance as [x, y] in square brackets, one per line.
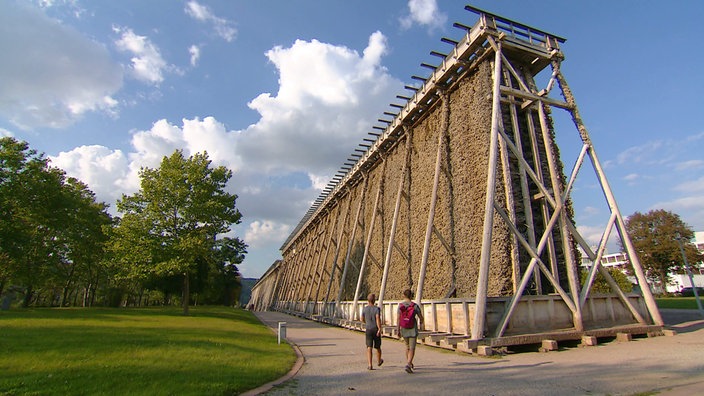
[281, 92]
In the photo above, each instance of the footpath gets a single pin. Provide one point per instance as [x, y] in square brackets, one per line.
[332, 361]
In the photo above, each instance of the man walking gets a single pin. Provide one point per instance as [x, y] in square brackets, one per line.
[371, 315]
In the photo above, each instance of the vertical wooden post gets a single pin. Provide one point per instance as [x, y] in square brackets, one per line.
[315, 268]
[366, 249]
[338, 245]
[394, 223]
[325, 255]
[350, 245]
[434, 197]
[485, 258]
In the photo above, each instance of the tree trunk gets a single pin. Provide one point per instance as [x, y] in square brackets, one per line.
[28, 296]
[186, 293]
[86, 292]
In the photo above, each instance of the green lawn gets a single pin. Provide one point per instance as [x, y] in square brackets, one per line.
[145, 351]
[678, 302]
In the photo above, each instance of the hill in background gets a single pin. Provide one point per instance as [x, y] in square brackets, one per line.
[247, 284]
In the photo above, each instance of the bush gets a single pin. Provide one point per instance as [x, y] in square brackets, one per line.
[600, 286]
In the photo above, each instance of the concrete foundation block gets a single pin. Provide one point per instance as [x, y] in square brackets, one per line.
[624, 337]
[484, 350]
[548, 345]
[669, 332]
[446, 345]
[589, 341]
[466, 345]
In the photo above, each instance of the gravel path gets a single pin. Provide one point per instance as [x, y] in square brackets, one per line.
[333, 362]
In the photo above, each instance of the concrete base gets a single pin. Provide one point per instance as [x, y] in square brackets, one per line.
[485, 350]
[548, 345]
[624, 337]
[589, 341]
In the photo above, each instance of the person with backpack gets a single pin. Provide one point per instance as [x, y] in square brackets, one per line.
[371, 316]
[408, 311]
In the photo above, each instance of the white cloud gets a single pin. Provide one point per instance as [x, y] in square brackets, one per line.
[202, 13]
[194, 51]
[694, 138]
[631, 177]
[109, 173]
[5, 133]
[51, 74]
[328, 96]
[593, 234]
[102, 169]
[423, 12]
[265, 232]
[669, 152]
[147, 63]
[591, 211]
[690, 208]
[644, 153]
[691, 186]
[690, 165]
[327, 100]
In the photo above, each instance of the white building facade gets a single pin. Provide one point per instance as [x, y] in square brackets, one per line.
[677, 281]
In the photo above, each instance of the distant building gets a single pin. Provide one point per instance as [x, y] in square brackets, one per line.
[678, 281]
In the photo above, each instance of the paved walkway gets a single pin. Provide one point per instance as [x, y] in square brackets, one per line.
[332, 361]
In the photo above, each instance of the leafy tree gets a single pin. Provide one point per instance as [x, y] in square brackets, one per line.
[173, 221]
[654, 235]
[44, 230]
[225, 280]
[83, 237]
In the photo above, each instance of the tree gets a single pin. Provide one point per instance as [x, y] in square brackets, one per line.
[46, 222]
[225, 281]
[175, 218]
[654, 236]
[83, 238]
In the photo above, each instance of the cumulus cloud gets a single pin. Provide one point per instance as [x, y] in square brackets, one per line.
[104, 170]
[327, 100]
[147, 64]
[327, 97]
[51, 74]
[223, 27]
[425, 13]
[266, 231]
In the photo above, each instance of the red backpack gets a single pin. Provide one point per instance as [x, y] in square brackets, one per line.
[407, 317]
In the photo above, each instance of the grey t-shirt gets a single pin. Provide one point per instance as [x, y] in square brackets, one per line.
[370, 312]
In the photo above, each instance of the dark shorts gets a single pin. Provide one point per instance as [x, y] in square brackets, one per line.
[373, 340]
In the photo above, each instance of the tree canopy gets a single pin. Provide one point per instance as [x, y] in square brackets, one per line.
[50, 225]
[655, 237]
[59, 246]
[170, 226]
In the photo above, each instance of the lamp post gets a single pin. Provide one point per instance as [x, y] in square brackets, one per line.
[689, 273]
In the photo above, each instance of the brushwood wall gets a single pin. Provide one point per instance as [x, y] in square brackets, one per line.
[353, 230]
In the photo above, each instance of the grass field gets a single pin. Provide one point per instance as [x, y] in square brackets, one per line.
[145, 351]
[677, 302]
